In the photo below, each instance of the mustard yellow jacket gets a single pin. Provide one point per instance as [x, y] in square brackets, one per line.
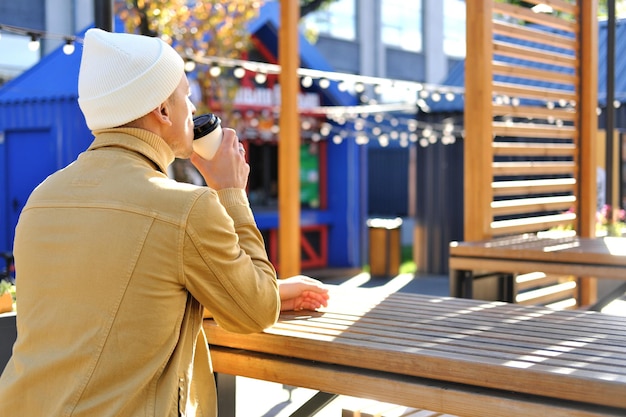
[114, 261]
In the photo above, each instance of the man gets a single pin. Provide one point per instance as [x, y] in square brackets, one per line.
[115, 261]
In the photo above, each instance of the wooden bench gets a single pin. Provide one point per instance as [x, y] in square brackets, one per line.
[449, 355]
[509, 256]
[370, 408]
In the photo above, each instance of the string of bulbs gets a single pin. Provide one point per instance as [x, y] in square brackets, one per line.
[36, 35]
[380, 120]
[360, 121]
[324, 78]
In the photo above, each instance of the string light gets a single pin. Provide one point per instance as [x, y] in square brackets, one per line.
[306, 82]
[215, 71]
[34, 43]
[394, 128]
[239, 72]
[260, 78]
[68, 48]
[35, 37]
[357, 81]
[190, 65]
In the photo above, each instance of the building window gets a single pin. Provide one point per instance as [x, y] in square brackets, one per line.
[15, 57]
[338, 20]
[454, 28]
[401, 24]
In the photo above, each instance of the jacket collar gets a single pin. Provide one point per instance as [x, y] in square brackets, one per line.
[138, 140]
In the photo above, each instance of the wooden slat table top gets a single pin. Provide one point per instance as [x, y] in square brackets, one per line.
[570, 355]
[570, 249]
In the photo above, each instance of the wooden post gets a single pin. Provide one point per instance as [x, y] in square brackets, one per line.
[289, 143]
[478, 152]
[609, 156]
[588, 128]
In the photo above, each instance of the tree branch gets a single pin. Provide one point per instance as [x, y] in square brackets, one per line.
[310, 6]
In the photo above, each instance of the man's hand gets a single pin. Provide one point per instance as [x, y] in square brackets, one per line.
[302, 293]
[228, 168]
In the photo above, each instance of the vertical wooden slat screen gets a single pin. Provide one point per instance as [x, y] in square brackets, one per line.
[530, 118]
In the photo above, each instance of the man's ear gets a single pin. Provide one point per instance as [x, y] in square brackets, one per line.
[162, 113]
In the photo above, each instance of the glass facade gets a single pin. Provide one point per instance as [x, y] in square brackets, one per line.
[15, 56]
[454, 28]
[338, 20]
[401, 24]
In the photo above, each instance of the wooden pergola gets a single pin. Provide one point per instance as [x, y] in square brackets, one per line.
[530, 120]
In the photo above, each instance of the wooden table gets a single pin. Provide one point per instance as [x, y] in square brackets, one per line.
[569, 255]
[459, 356]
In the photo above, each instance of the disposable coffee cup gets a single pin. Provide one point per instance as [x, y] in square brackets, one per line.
[207, 135]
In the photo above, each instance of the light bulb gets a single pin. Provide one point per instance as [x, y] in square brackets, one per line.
[34, 44]
[215, 71]
[68, 48]
[190, 65]
[239, 72]
[306, 82]
[260, 78]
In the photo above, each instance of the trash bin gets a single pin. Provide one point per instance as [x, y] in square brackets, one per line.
[384, 246]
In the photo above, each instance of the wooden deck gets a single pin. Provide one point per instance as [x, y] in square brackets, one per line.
[457, 356]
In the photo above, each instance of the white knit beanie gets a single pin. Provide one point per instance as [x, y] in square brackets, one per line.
[123, 77]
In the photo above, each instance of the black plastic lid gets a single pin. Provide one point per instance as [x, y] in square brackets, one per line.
[205, 124]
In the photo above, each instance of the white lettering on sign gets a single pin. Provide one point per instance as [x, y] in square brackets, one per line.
[271, 97]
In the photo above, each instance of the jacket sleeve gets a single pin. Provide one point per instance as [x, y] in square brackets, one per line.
[225, 263]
